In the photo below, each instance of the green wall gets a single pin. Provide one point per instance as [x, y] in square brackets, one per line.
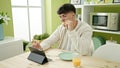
[5, 6]
[108, 36]
[55, 5]
[47, 5]
[51, 17]
[115, 8]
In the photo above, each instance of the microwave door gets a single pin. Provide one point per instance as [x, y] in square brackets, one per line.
[100, 21]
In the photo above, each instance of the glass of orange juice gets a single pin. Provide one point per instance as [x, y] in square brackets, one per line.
[76, 61]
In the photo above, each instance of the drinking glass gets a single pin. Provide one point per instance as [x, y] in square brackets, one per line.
[76, 60]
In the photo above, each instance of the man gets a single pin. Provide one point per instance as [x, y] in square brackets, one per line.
[72, 34]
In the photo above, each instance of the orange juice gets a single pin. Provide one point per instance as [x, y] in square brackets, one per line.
[76, 62]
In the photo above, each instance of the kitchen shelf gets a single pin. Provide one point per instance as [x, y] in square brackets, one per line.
[92, 5]
[105, 31]
[86, 9]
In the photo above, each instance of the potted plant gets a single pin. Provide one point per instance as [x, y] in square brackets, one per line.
[3, 19]
[40, 37]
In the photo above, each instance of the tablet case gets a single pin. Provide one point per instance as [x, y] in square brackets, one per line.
[37, 56]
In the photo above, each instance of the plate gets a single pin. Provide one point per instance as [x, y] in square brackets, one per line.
[66, 55]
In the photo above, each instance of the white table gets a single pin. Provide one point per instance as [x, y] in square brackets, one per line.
[21, 61]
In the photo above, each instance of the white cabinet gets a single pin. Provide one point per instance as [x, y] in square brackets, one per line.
[85, 12]
[10, 47]
[88, 8]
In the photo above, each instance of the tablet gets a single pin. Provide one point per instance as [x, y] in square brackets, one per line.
[38, 56]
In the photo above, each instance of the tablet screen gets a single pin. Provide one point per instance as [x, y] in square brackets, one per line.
[37, 51]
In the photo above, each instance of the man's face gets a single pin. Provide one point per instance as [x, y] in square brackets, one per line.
[67, 16]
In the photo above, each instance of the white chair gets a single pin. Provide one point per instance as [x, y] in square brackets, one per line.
[109, 52]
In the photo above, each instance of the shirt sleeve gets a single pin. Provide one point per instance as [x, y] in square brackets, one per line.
[54, 37]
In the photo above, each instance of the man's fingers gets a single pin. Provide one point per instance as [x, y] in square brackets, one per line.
[36, 45]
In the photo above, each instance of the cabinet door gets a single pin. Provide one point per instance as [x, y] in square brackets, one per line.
[86, 10]
[10, 48]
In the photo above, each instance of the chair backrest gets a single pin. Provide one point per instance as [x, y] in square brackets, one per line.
[109, 52]
[98, 41]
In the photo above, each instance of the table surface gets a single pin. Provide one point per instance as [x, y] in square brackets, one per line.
[21, 61]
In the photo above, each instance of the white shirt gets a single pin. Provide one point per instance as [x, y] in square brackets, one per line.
[79, 39]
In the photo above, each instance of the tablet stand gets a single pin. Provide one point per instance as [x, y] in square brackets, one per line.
[37, 56]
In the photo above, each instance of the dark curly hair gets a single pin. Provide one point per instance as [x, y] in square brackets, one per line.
[65, 8]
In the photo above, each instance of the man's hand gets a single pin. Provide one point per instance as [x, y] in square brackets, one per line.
[36, 44]
[70, 25]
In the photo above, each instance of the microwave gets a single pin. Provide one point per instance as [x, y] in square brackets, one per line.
[105, 21]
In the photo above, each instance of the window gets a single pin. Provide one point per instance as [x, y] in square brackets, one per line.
[27, 18]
